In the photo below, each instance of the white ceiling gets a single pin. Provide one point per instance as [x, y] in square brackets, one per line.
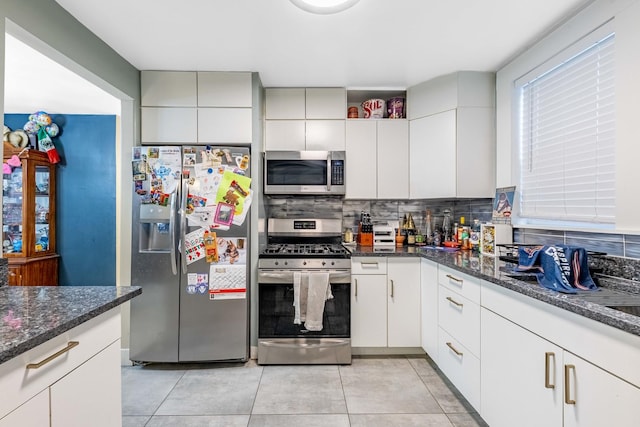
[375, 44]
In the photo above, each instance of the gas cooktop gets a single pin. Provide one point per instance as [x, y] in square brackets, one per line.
[328, 250]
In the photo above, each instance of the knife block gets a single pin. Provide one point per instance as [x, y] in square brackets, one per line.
[364, 238]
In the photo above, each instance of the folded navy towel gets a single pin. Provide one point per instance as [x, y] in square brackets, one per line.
[559, 267]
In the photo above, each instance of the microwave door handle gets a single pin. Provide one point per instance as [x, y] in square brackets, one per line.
[183, 225]
[172, 232]
[329, 167]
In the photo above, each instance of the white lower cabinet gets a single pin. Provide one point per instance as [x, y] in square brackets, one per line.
[73, 405]
[385, 302]
[429, 307]
[521, 375]
[594, 397]
[71, 380]
[460, 366]
[403, 303]
[529, 380]
[33, 413]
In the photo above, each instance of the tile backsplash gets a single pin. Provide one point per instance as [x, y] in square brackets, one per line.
[623, 250]
[380, 210]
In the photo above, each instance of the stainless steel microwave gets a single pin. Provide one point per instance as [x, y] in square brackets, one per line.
[304, 172]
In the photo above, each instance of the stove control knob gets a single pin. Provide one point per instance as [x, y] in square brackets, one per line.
[286, 263]
[324, 263]
[304, 262]
[276, 262]
[333, 263]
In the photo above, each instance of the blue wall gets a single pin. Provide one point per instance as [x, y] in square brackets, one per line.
[86, 197]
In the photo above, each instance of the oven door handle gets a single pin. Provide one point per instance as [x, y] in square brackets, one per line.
[286, 276]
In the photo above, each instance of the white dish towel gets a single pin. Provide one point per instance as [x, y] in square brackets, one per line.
[310, 291]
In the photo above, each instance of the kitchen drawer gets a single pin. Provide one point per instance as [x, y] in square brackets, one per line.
[465, 285]
[460, 366]
[372, 265]
[93, 336]
[460, 317]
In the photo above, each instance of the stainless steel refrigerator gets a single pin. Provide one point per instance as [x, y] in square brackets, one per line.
[190, 253]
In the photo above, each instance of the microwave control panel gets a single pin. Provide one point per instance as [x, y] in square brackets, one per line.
[337, 172]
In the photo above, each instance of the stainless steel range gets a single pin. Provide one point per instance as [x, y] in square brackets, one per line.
[304, 294]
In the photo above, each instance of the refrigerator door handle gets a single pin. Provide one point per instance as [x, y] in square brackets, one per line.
[183, 224]
[172, 232]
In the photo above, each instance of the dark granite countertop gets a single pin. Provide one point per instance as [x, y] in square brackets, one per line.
[32, 315]
[492, 269]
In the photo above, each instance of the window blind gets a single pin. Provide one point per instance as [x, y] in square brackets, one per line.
[567, 139]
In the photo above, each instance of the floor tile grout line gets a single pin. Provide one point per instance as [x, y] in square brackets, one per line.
[165, 398]
[344, 395]
[255, 396]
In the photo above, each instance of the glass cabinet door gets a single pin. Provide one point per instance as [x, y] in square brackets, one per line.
[12, 221]
[42, 209]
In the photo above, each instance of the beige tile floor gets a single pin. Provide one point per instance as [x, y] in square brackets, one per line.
[371, 392]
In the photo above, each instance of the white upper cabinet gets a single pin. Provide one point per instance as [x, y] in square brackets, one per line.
[452, 136]
[196, 107]
[285, 103]
[377, 159]
[461, 89]
[325, 135]
[361, 174]
[224, 89]
[169, 125]
[224, 125]
[284, 135]
[393, 159]
[168, 89]
[318, 114]
[326, 103]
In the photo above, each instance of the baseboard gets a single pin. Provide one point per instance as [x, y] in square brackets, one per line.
[387, 351]
[124, 357]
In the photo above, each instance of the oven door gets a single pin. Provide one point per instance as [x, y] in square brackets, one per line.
[281, 341]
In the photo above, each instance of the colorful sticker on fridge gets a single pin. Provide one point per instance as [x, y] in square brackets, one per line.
[189, 159]
[232, 251]
[194, 245]
[234, 189]
[228, 282]
[224, 214]
[197, 283]
[193, 202]
[139, 170]
[210, 246]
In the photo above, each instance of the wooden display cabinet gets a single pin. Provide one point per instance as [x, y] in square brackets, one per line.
[28, 218]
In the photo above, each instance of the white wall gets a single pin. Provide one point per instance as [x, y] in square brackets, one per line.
[51, 30]
[626, 21]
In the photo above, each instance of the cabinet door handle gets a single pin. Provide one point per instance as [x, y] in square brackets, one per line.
[567, 384]
[451, 300]
[455, 278]
[369, 264]
[356, 291]
[391, 288]
[547, 371]
[43, 362]
[459, 353]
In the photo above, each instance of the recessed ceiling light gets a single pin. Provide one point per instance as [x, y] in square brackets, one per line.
[324, 7]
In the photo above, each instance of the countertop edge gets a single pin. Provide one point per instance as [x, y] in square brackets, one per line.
[30, 343]
[616, 319]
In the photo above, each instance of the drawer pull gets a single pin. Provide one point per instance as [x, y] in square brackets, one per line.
[459, 353]
[455, 278]
[547, 372]
[356, 290]
[69, 346]
[369, 264]
[451, 300]
[391, 288]
[567, 384]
